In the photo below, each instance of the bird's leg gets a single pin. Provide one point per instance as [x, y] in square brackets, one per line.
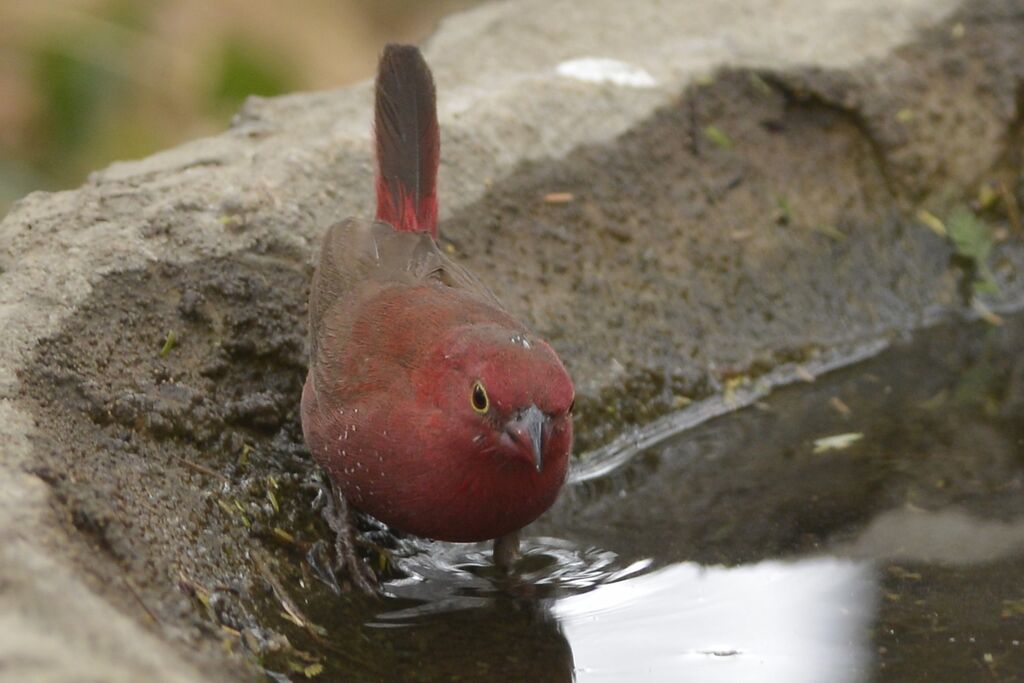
[506, 550]
[336, 514]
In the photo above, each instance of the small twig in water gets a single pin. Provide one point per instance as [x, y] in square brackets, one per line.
[292, 610]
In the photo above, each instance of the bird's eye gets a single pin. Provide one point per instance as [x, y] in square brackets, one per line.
[479, 398]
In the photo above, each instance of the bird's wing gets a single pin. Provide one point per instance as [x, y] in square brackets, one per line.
[360, 256]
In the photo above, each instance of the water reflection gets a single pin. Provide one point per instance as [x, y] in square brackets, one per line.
[772, 621]
[944, 537]
[578, 614]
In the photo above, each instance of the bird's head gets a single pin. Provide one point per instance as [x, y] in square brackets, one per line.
[511, 398]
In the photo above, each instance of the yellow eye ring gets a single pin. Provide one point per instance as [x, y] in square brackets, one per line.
[478, 398]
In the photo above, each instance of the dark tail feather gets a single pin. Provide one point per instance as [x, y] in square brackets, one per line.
[408, 141]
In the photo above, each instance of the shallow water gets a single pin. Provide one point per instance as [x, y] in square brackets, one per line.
[736, 552]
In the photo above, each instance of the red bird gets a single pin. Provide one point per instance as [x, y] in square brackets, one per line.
[429, 405]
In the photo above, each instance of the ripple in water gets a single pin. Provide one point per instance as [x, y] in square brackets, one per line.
[448, 577]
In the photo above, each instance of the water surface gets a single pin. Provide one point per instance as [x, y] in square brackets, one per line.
[866, 526]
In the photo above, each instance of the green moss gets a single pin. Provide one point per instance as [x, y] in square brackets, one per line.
[972, 238]
[718, 137]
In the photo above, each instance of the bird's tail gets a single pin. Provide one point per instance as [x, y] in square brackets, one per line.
[408, 141]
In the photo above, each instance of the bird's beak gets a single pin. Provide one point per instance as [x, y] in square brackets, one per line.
[526, 428]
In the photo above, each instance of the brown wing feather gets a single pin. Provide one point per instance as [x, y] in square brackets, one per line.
[360, 256]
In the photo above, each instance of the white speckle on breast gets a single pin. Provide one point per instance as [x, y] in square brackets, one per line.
[605, 70]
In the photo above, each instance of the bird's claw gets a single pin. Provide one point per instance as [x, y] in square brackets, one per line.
[323, 494]
[319, 561]
[335, 512]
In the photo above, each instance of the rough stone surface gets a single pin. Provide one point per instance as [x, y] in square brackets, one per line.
[750, 201]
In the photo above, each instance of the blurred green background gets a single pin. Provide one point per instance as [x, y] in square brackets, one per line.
[85, 82]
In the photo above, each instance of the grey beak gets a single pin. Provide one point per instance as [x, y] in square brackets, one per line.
[527, 428]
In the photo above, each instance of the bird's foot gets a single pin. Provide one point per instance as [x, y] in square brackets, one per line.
[336, 513]
[506, 551]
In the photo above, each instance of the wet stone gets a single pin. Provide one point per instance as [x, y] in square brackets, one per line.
[164, 453]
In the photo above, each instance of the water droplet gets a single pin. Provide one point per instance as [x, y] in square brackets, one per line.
[521, 340]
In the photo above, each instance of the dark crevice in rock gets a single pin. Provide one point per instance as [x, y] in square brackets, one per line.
[842, 96]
